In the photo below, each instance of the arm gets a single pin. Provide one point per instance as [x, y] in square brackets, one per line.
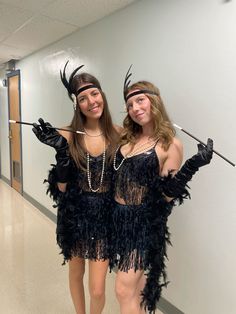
[173, 160]
[175, 186]
[56, 140]
[62, 186]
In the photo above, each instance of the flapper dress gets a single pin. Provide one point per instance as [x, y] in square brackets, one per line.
[139, 221]
[82, 215]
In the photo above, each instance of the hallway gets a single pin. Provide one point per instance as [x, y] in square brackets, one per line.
[32, 278]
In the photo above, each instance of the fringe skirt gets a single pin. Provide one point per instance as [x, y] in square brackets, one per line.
[130, 236]
[139, 239]
[83, 226]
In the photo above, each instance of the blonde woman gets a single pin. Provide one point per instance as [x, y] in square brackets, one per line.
[147, 182]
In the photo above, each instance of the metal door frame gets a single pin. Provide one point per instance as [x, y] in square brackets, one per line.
[8, 75]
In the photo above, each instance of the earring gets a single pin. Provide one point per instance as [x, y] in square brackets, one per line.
[74, 101]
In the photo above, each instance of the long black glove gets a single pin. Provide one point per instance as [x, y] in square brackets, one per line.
[175, 187]
[51, 137]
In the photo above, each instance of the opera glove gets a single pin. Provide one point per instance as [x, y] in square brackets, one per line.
[63, 168]
[49, 136]
[175, 186]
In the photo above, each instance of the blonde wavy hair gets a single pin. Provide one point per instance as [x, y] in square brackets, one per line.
[162, 126]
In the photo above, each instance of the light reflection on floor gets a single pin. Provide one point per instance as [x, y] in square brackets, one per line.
[32, 278]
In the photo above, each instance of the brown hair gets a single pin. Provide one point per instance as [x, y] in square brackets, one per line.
[77, 146]
[162, 126]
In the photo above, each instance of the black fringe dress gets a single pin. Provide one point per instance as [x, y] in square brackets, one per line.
[83, 215]
[139, 218]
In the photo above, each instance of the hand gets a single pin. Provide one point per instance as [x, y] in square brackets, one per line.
[176, 186]
[49, 136]
[203, 156]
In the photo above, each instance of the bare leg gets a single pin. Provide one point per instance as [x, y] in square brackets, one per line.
[97, 277]
[140, 287]
[76, 274]
[128, 291]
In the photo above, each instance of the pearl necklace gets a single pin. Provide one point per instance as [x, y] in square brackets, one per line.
[90, 135]
[103, 168]
[138, 150]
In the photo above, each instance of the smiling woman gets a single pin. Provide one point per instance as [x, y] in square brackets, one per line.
[80, 185]
[142, 203]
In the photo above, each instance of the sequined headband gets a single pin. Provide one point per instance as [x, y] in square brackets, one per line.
[67, 83]
[134, 93]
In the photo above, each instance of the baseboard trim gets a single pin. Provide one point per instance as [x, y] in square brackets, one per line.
[163, 305]
[167, 308]
[29, 198]
[40, 207]
[5, 180]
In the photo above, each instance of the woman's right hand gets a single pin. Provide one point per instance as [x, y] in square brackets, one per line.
[49, 136]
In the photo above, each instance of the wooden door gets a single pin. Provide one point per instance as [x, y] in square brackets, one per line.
[15, 130]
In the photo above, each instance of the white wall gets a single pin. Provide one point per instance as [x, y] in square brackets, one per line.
[188, 49]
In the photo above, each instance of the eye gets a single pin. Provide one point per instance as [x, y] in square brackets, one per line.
[81, 100]
[95, 93]
[128, 107]
[140, 100]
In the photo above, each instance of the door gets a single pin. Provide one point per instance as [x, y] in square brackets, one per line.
[15, 130]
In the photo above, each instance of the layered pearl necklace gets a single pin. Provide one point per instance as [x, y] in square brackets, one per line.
[139, 149]
[103, 169]
[93, 135]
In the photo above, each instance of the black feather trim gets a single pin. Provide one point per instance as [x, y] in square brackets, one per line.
[159, 239]
[183, 194]
[82, 219]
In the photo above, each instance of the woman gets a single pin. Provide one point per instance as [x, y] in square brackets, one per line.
[80, 185]
[146, 188]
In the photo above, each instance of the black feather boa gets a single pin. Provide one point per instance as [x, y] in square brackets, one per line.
[156, 276]
[82, 219]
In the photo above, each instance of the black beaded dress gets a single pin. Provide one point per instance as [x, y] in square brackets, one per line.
[83, 215]
[139, 221]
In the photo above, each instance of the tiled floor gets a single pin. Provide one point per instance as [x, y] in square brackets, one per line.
[32, 280]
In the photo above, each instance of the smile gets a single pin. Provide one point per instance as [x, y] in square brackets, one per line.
[94, 108]
[138, 116]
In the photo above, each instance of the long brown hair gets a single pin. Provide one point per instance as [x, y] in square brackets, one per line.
[162, 126]
[77, 146]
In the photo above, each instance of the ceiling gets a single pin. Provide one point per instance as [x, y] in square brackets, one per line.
[29, 25]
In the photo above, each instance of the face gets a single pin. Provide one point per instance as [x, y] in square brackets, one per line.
[139, 109]
[91, 103]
